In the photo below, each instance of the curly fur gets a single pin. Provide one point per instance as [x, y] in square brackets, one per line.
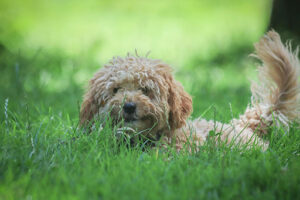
[162, 105]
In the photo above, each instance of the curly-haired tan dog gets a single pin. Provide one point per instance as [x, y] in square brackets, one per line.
[143, 94]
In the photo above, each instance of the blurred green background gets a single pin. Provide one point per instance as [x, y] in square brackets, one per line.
[50, 49]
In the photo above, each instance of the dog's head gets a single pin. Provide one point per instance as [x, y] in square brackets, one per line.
[141, 93]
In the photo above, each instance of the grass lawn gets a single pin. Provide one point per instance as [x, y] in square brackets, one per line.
[48, 52]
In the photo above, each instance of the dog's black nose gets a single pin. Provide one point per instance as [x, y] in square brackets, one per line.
[129, 107]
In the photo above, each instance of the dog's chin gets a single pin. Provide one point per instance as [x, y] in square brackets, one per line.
[130, 128]
[139, 125]
[136, 124]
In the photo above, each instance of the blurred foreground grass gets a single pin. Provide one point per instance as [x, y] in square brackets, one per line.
[50, 49]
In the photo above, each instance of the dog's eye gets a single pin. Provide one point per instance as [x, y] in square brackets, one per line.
[115, 90]
[145, 91]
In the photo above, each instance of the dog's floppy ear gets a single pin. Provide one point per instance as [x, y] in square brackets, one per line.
[92, 99]
[180, 103]
[88, 108]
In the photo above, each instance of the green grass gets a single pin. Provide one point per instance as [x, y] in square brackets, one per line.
[41, 160]
[49, 50]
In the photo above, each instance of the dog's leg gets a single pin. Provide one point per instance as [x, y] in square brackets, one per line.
[276, 97]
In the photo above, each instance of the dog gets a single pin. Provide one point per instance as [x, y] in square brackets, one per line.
[142, 95]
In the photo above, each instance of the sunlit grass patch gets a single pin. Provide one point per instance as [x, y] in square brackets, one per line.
[172, 30]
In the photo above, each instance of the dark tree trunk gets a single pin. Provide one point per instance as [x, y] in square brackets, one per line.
[285, 17]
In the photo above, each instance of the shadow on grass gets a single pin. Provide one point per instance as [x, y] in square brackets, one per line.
[235, 55]
[42, 80]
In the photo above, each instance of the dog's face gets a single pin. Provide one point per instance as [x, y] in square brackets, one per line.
[139, 92]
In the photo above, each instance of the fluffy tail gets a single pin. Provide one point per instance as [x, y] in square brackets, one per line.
[277, 94]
